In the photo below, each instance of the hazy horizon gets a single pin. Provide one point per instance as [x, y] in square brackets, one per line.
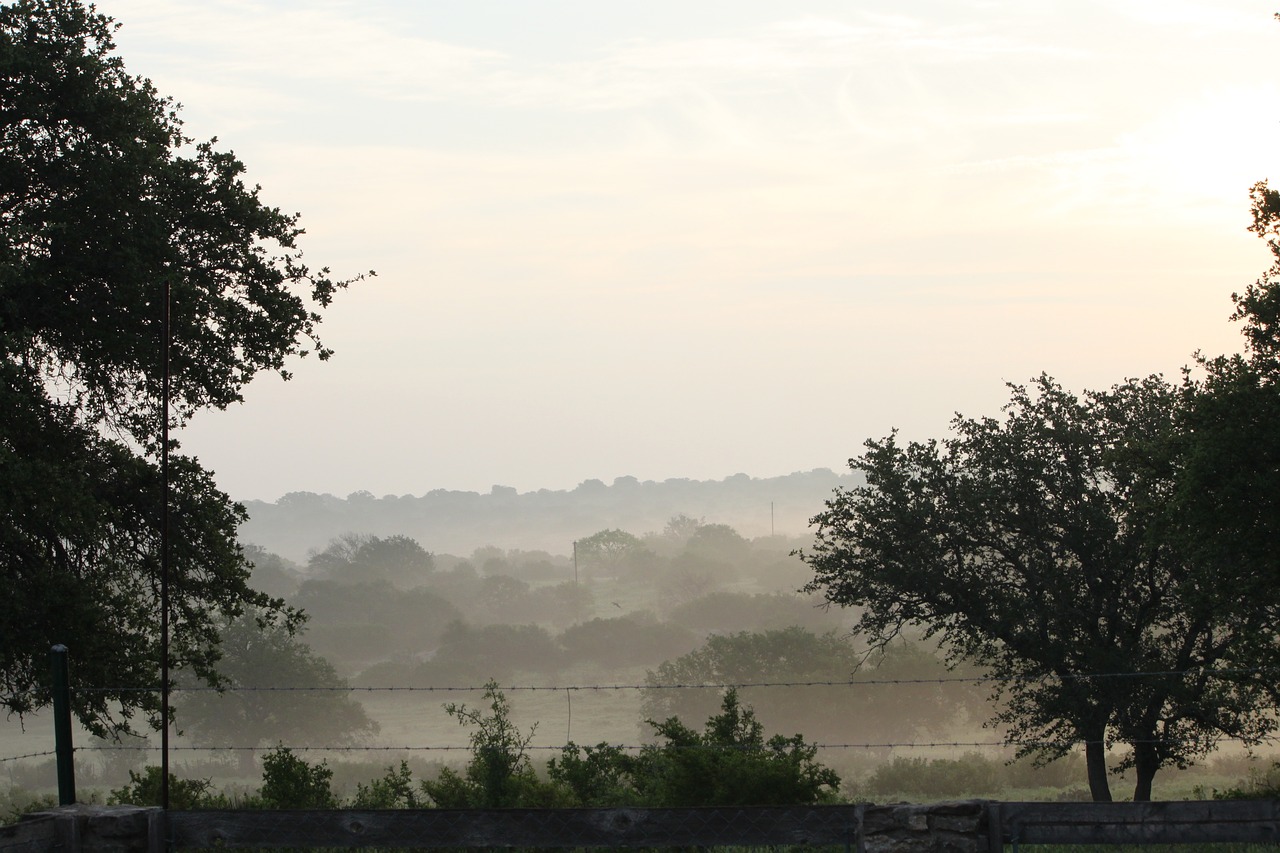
[695, 240]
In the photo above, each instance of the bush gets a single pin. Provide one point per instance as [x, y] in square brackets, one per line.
[288, 782]
[17, 802]
[1261, 785]
[728, 764]
[184, 794]
[499, 774]
[938, 778]
[393, 791]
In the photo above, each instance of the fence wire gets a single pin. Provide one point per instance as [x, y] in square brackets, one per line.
[569, 689]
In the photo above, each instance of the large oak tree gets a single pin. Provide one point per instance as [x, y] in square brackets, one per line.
[104, 200]
[1050, 546]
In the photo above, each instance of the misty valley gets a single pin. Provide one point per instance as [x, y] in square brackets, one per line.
[596, 648]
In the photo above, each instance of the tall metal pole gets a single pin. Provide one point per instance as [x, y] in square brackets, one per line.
[575, 562]
[63, 750]
[164, 568]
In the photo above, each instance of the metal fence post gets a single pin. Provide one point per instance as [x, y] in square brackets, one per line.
[62, 726]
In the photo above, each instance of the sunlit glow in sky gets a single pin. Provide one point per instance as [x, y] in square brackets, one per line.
[690, 239]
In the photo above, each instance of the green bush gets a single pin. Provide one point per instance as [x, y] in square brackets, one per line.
[184, 794]
[393, 791]
[1261, 785]
[937, 778]
[499, 774]
[288, 782]
[729, 763]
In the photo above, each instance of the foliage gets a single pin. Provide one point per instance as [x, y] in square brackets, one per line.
[595, 776]
[1039, 546]
[937, 778]
[607, 551]
[882, 713]
[288, 782]
[729, 763]
[499, 774]
[718, 542]
[353, 623]
[395, 790]
[622, 641]
[258, 655]
[103, 201]
[272, 573]
[725, 612]
[497, 651]
[16, 802]
[1261, 785]
[364, 558]
[1258, 306]
[144, 790]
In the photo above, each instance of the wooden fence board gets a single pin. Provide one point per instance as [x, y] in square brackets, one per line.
[516, 827]
[969, 825]
[1141, 823]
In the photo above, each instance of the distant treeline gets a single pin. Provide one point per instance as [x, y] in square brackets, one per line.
[458, 522]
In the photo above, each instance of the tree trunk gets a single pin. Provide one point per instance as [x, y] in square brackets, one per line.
[1095, 757]
[1145, 765]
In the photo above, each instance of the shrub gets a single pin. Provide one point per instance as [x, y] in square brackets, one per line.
[184, 794]
[937, 778]
[288, 782]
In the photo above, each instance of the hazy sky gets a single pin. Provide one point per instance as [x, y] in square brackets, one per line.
[696, 238]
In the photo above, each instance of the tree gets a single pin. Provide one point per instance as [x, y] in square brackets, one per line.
[354, 624]
[103, 201]
[1228, 492]
[609, 549]
[632, 640]
[829, 708]
[268, 656]
[364, 558]
[1045, 547]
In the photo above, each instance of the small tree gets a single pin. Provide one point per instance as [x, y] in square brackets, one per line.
[608, 550]
[499, 774]
[104, 203]
[258, 655]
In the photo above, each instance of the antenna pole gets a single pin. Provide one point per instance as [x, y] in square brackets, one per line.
[164, 566]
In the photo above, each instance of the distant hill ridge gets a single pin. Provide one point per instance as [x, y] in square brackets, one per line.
[454, 522]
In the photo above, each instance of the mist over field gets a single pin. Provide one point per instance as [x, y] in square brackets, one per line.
[678, 590]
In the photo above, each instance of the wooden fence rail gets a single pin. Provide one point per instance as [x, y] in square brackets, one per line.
[967, 825]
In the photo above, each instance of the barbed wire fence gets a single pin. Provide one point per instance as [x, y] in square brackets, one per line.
[571, 689]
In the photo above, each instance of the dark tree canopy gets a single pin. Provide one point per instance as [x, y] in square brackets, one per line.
[103, 201]
[1046, 546]
[361, 558]
[244, 714]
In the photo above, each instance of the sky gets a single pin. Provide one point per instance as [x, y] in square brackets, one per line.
[699, 238]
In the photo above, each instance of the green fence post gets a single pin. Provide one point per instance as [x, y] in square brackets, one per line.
[62, 726]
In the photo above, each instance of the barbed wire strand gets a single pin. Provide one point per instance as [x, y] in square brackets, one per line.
[1016, 745]
[28, 755]
[704, 685]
